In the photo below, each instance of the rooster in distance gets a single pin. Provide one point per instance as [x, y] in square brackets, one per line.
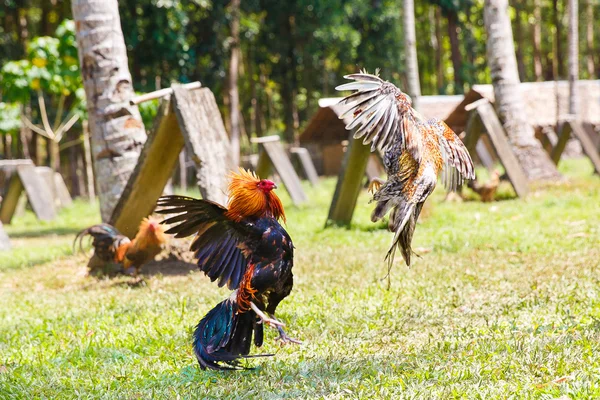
[111, 246]
[244, 247]
[415, 151]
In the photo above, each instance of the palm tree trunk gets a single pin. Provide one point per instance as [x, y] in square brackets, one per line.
[439, 61]
[410, 50]
[234, 96]
[508, 100]
[117, 131]
[573, 55]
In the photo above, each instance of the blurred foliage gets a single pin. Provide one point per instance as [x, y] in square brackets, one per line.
[51, 69]
[292, 53]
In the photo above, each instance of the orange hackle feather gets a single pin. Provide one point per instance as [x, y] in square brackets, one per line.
[150, 239]
[246, 199]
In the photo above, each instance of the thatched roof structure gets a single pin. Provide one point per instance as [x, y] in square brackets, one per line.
[325, 126]
[541, 103]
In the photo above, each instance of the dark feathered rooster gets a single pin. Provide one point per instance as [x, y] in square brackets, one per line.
[415, 151]
[110, 245]
[244, 247]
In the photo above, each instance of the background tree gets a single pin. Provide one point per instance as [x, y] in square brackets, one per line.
[410, 51]
[116, 128]
[509, 103]
[573, 55]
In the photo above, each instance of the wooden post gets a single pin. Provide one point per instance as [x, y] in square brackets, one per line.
[154, 168]
[349, 183]
[272, 155]
[39, 194]
[496, 133]
[307, 164]
[564, 134]
[586, 143]
[182, 171]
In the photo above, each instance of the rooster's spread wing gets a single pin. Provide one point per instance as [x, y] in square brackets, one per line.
[457, 161]
[383, 112]
[220, 244]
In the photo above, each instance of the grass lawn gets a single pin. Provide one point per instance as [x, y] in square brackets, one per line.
[504, 302]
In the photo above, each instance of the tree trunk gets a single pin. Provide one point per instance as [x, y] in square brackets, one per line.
[537, 40]
[89, 173]
[455, 51]
[234, 96]
[509, 103]
[519, 40]
[54, 155]
[117, 130]
[589, 36]
[439, 61]
[573, 55]
[559, 53]
[410, 51]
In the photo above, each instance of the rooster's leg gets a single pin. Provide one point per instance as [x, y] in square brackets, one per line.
[285, 339]
[272, 322]
[375, 184]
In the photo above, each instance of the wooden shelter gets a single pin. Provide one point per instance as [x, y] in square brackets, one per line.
[547, 103]
[325, 132]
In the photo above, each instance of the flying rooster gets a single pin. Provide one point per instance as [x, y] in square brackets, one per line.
[415, 151]
[110, 245]
[244, 247]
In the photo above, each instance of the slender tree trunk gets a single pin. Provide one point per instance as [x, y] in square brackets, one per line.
[519, 40]
[117, 130]
[455, 51]
[573, 55]
[537, 40]
[439, 61]
[54, 155]
[559, 55]
[589, 36]
[234, 96]
[410, 51]
[509, 102]
[89, 172]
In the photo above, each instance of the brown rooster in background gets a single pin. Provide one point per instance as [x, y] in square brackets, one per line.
[111, 246]
[415, 151]
[487, 190]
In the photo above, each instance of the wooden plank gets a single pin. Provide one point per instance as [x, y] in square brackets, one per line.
[4, 241]
[564, 134]
[62, 192]
[349, 183]
[375, 167]
[586, 143]
[593, 135]
[278, 159]
[10, 200]
[484, 155]
[38, 194]
[153, 170]
[47, 174]
[473, 131]
[206, 140]
[503, 150]
[307, 164]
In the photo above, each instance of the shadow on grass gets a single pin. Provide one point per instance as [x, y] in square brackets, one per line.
[35, 233]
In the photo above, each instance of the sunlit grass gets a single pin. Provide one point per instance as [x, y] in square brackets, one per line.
[504, 300]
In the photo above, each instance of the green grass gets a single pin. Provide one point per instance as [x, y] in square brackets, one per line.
[504, 302]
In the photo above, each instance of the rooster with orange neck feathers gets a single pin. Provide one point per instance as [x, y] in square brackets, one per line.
[245, 247]
[110, 245]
